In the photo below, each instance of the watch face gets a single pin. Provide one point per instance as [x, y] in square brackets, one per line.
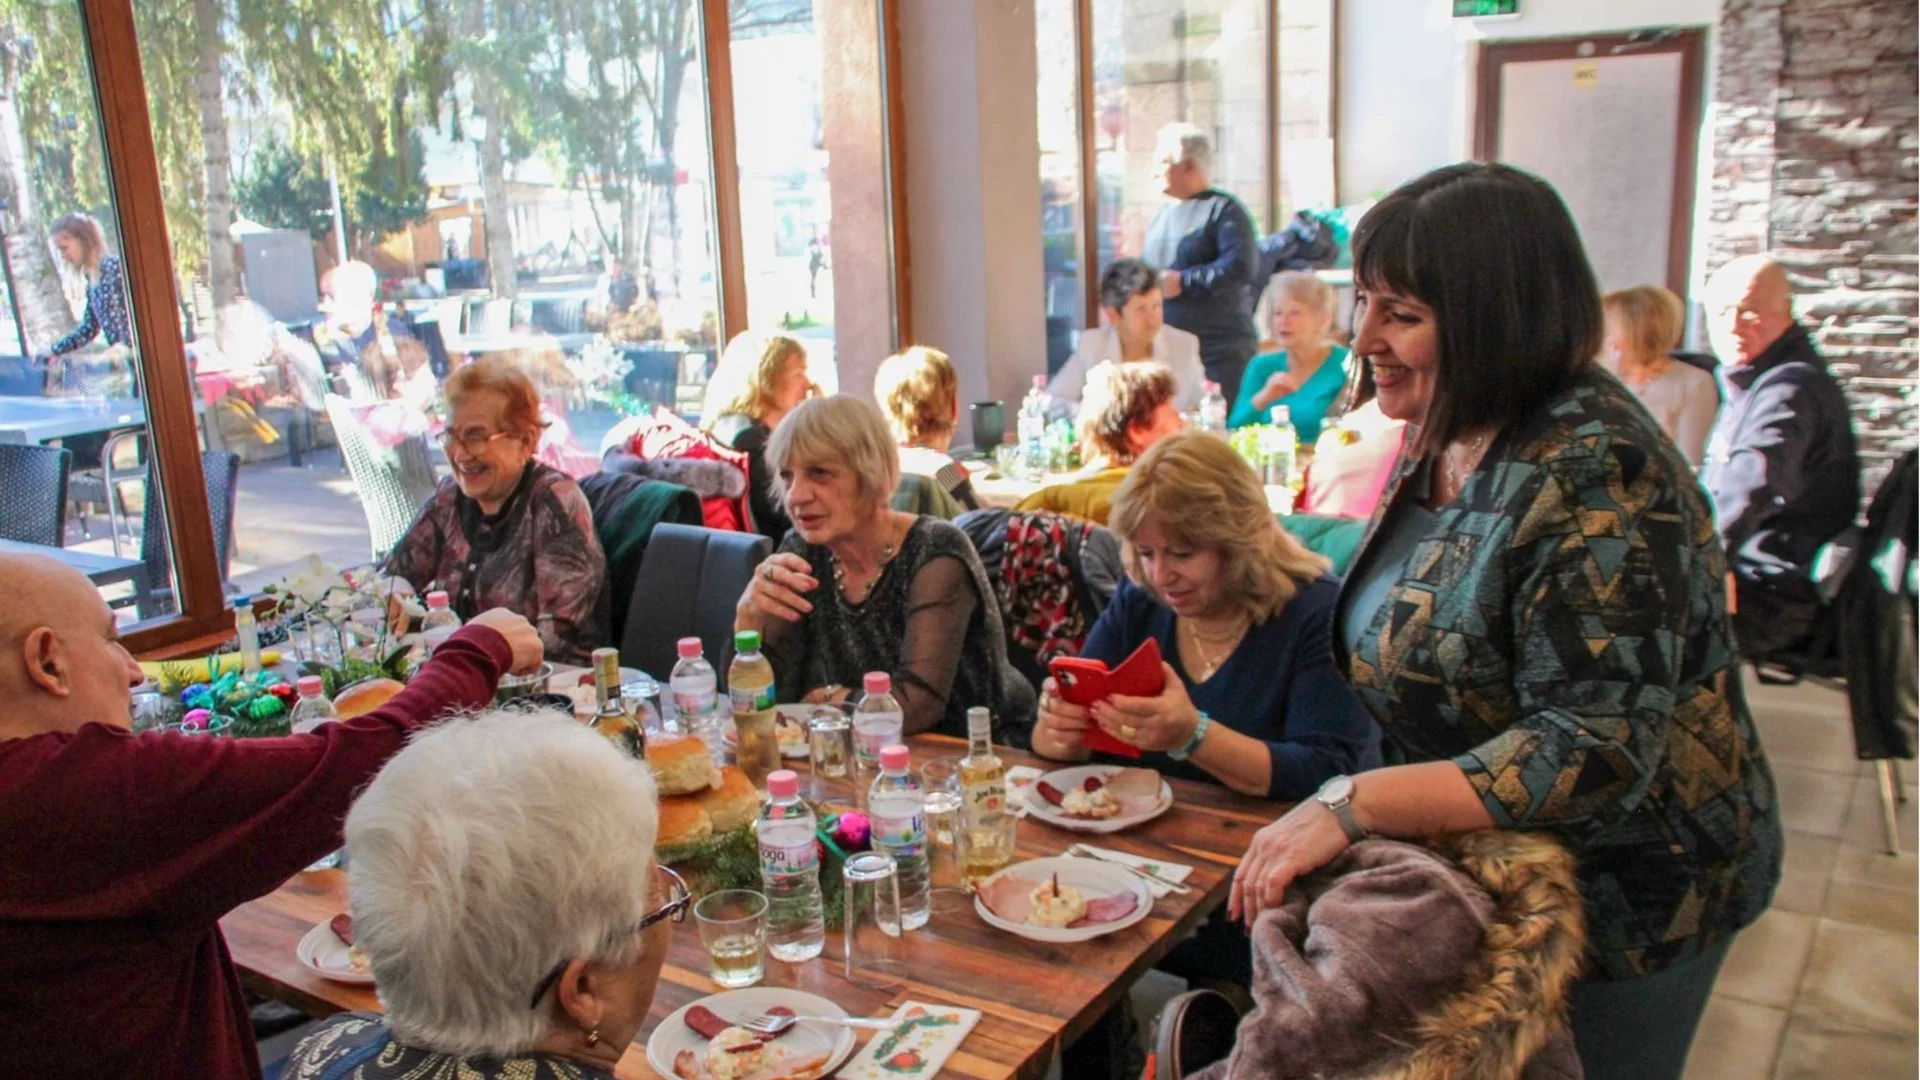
[1338, 789]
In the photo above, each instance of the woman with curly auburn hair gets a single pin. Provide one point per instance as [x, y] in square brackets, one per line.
[1241, 613]
[758, 381]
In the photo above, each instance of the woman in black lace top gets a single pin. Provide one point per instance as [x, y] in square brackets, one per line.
[859, 587]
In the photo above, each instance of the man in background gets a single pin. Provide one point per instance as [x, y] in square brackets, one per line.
[1208, 243]
[1781, 464]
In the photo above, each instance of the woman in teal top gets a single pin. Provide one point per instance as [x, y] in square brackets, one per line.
[1309, 370]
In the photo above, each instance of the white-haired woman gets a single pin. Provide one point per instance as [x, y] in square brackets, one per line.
[1240, 611]
[1307, 372]
[506, 895]
[860, 587]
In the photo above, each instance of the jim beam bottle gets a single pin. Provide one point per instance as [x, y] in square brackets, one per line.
[614, 719]
[987, 821]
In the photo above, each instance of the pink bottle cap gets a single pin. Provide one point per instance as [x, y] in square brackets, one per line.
[783, 783]
[895, 758]
[438, 598]
[1040, 382]
[879, 682]
[310, 685]
[689, 647]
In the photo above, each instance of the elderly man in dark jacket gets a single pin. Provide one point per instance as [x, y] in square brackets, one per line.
[1211, 249]
[1781, 464]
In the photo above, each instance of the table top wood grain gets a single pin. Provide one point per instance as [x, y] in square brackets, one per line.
[1036, 997]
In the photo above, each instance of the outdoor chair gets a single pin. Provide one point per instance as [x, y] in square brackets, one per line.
[33, 493]
[392, 482]
[690, 579]
[122, 461]
[221, 471]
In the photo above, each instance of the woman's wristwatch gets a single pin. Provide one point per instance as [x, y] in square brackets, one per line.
[1337, 795]
[1185, 751]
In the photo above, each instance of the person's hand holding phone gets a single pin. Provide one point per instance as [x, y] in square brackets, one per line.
[1059, 732]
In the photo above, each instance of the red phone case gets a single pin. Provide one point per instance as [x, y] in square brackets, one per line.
[1084, 682]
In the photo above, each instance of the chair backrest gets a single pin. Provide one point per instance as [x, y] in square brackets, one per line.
[358, 386]
[392, 481]
[221, 471]
[690, 579]
[33, 493]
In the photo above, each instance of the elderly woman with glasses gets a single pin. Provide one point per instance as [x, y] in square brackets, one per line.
[505, 893]
[505, 530]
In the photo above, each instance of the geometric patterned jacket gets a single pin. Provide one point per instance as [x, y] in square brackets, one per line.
[1561, 634]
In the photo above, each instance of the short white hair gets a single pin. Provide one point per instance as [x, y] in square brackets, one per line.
[1189, 140]
[485, 853]
[843, 429]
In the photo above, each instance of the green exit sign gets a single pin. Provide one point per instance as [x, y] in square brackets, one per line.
[1481, 9]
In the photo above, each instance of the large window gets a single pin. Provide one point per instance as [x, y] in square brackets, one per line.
[338, 205]
[1256, 75]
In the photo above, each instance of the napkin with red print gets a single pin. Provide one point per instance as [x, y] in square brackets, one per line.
[923, 1038]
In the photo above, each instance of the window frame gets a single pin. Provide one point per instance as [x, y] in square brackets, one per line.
[1088, 208]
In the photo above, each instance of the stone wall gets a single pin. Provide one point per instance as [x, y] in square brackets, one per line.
[1816, 126]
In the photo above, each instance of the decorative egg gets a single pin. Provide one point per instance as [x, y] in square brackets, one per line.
[196, 719]
[283, 692]
[266, 707]
[193, 695]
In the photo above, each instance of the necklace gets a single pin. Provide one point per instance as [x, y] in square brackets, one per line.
[1208, 661]
[840, 572]
[1454, 471]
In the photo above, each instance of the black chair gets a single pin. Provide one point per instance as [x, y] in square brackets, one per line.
[690, 579]
[33, 493]
[222, 472]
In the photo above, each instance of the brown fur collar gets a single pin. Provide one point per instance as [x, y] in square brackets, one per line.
[1512, 1003]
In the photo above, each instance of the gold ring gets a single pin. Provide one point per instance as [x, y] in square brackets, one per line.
[1129, 732]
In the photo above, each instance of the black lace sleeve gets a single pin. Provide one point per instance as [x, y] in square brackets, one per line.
[940, 604]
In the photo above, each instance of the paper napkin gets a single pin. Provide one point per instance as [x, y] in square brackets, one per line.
[1172, 871]
[923, 1038]
[1020, 780]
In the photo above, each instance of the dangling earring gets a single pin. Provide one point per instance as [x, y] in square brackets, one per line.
[593, 1038]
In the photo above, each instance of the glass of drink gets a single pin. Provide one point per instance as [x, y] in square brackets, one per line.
[940, 780]
[733, 927]
[757, 745]
[643, 696]
[874, 955]
[830, 746]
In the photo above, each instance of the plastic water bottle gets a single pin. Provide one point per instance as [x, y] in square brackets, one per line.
[897, 809]
[1212, 416]
[1282, 443]
[440, 621]
[313, 708]
[1033, 428]
[877, 721]
[694, 688]
[790, 871]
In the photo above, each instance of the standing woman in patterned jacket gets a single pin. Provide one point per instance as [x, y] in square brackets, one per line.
[1538, 617]
[81, 244]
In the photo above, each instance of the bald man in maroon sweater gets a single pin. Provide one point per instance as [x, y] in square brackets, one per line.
[119, 853]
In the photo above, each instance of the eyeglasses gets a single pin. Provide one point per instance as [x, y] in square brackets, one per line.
[473, 442]
[679, 899]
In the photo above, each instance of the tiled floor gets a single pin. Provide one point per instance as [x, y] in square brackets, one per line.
[1824, 984]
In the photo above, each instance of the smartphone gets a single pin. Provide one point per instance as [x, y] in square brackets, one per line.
[1084, 682]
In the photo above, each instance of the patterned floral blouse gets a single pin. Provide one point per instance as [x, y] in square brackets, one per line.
[359, 1046]
[1560, 633]
[538, 556]
[106, 310]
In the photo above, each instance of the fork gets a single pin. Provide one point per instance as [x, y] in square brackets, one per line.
[1085, 852]
[772, 1024]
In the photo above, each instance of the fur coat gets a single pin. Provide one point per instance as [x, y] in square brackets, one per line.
[1398, 962]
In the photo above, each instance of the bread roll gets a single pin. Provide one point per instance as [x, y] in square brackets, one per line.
[732, 802]
[681, 764]
[682, 821]
[365, 696]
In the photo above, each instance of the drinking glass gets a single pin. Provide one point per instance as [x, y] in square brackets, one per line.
[874, 955]
[940, 780]
[830, 746]
[643, 695]
[149, 707]
[733, 927]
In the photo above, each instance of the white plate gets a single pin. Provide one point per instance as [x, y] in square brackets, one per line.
[802, 1041]
[1091, 876]
[730, 736]
[1069, 779]
[325, 955]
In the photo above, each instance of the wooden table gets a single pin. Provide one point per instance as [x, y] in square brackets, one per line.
[1036, 997]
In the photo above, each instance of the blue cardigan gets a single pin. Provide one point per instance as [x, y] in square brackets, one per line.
[1280, 686]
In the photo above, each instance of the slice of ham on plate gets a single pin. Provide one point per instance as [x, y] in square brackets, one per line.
[1115, 897]
[1106, 909]
[1142, 795]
